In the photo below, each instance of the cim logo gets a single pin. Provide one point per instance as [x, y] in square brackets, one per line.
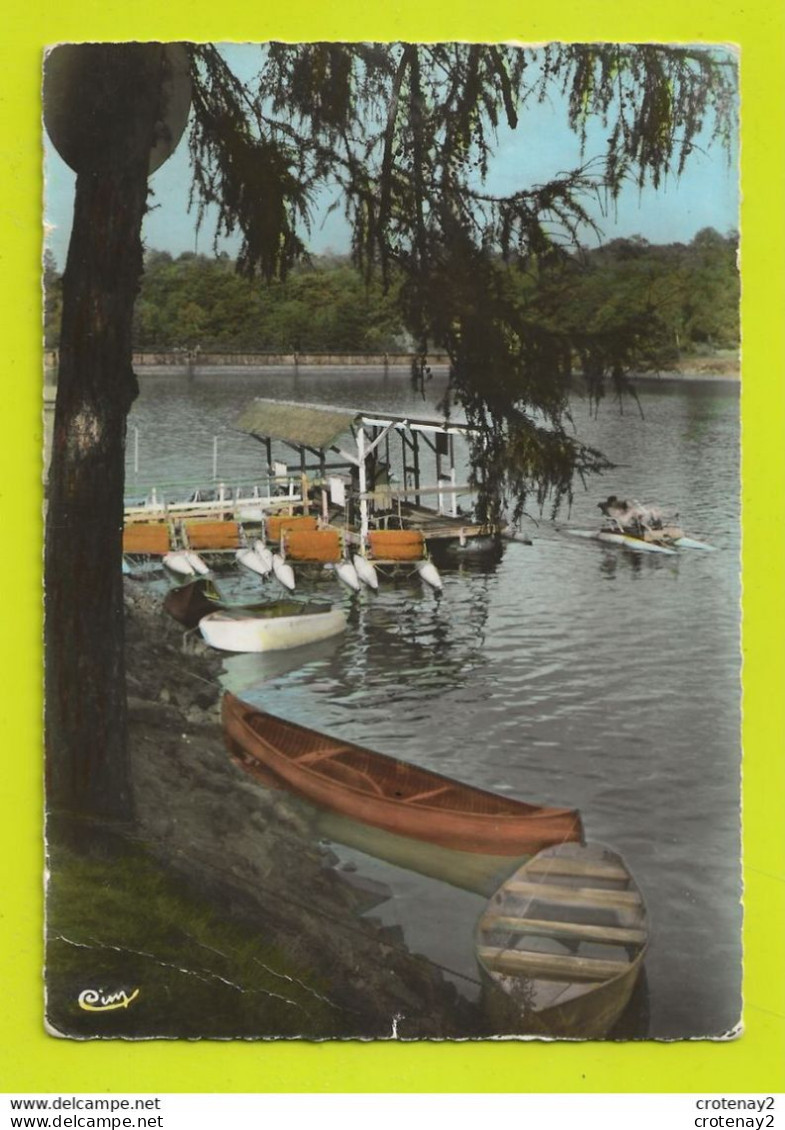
[93, 1000]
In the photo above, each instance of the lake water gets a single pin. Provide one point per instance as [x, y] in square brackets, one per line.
[569, 673]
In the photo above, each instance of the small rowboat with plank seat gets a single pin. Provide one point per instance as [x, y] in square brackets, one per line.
[387, 793]
[561, 944]
[630, 541]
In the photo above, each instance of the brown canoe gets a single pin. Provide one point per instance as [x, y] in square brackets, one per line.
[561, 944]
[386, 793]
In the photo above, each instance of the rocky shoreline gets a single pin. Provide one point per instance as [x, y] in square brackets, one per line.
[247, 851]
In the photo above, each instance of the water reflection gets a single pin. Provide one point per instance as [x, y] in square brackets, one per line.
[566, 672]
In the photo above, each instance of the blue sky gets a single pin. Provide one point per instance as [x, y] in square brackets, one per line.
[707, 194]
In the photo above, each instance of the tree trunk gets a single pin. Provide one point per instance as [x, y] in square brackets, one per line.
[88, 775]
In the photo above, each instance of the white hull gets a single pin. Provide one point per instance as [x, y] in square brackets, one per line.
[274, 633]
[347, 575]
[625, 540]
[264, 554]
[638, 544]
[185, 563]
[430, 574]
[250, 559]
[691, 543]
[283, 572]
[365, 571]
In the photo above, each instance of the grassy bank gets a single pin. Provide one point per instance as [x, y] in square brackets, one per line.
[188, 971]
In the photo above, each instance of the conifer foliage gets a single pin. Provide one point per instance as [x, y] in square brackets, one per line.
[406, 132]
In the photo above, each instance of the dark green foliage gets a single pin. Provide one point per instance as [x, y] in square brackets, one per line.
[319, 308]
[657, 100]
[650, 304]
[258, 183]
[628, 303]
[198, 973]
[407, 132]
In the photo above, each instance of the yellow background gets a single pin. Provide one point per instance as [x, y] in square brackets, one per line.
[32, 1061]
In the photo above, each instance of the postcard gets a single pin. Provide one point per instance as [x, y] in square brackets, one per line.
[392, 667]
[392, 564]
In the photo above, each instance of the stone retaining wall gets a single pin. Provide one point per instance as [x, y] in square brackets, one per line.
[198, 358]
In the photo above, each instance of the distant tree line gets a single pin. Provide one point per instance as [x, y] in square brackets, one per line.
[664, 301]
[325, 307]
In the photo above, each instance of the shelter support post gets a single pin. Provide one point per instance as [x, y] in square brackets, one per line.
[454, 496]
[362, 483]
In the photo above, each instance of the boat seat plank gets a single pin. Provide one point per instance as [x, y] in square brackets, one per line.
[577, 868]
[350, 775]
[315, 755]
[574, 896]
[578, 930]
[550, 966]
[428, 794]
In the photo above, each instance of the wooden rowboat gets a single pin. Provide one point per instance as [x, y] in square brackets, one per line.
[561, 944]
[393, 795]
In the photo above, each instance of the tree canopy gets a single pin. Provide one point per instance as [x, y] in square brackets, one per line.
[407, 132]
[675, 300]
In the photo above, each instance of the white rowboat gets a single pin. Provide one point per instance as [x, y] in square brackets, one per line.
[691, 543]
[270, 630]
[630, 542]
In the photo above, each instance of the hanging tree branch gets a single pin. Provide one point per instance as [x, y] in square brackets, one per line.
[407, 132]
